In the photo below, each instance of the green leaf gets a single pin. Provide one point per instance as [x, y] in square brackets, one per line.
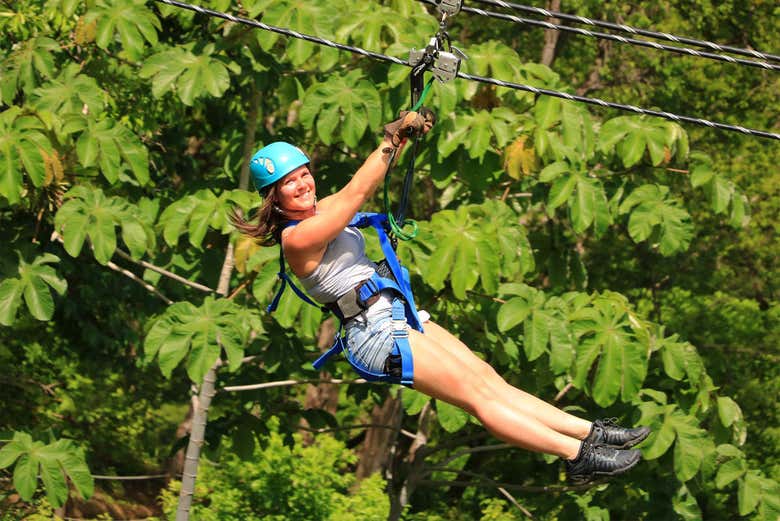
[190, 75]
[730, 471]
[632, 148]
[53, 479]
[197, 333]
[585, 203]
[536, 334]
[728, 411]
[691, 446]
[74, 464]
[749, 493]
[23, 149]
[26, 476]
[701, 174]
[685, 505]
[450, 417]
[661, 438]
[38, 299]
[172, 352]
[656, 214]
[720, 192]
[561, 347]
[413, 401]
[11, 291]
[561, 190]
[512, 313]
[130, 20]
[348, 99]
[547, 111]
[10, 453]
[553, 171]
[110, 146]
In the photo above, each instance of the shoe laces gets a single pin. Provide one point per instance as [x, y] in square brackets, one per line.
[608, 422]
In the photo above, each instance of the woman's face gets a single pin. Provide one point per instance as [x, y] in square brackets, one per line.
[297, 191]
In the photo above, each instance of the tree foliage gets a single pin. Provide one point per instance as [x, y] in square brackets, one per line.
[620, 261]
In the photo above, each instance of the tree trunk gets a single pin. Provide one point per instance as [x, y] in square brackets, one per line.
[594, 78]
[176, 465]
[550, 35]
[375, 452]
[414, 464]
[207, 391]
[208, 387]
[323, 396]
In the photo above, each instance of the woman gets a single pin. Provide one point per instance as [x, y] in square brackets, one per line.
[328, 258]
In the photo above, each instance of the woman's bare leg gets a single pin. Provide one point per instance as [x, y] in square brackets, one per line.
[441, 375]
[546, 413]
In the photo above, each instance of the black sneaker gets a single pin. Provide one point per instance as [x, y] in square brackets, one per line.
[608, 432]
[600, 460]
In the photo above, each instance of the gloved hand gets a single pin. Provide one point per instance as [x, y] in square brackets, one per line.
[409, 124]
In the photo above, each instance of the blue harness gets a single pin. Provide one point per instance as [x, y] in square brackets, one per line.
[404, 310]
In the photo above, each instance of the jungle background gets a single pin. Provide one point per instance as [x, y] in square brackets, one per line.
[617, 265]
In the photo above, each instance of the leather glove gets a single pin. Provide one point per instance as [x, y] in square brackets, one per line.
[409, 124]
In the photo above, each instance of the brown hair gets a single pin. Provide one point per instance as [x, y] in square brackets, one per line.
[268, 228]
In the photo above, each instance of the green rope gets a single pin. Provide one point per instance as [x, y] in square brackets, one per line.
[395, 226]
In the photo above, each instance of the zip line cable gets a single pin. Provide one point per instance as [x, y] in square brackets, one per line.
[616, 38]
[481, 79]
[620, 106]
[632, 30]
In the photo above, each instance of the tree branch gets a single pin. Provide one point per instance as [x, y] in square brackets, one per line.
[359, 426]
[163, 271]
[563, 392]
[484, 481]
[512, 500]
[139, 280]
[286, 383]
[473, 450]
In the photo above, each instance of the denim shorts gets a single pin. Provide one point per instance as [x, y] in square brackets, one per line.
[370, 339]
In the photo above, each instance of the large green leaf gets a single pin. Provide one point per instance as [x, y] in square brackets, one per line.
[480, 132]
[54, 463]
[670, 425]
[304, 17]
[129, 20]
[190, 75]
[34, 284]
[108, 146]
[198, 334]
[344, 107]
[201, 211]
[31, 61]
[681, 359]
[455, 245]
[629, 137]
[70, 92]
[657, 217]
[89, 213]
[24, 148]
[607, 336]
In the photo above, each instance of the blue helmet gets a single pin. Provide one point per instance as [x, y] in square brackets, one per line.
[274, 161]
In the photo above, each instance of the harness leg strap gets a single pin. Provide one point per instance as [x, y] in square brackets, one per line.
[401, 344]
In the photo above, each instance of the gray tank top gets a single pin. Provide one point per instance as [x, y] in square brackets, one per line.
[343, 266]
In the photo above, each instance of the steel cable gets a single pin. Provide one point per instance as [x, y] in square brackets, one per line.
[616, 38]
[481, 79]
[632, 30]
[621, 106]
